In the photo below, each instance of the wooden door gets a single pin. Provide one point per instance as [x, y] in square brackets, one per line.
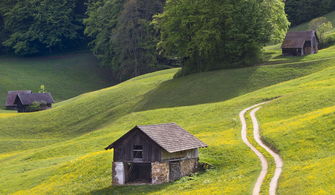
[175, 170]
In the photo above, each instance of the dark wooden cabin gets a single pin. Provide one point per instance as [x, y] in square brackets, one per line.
[24, 102]
[300, 43]
[10, 105]
[154, 154]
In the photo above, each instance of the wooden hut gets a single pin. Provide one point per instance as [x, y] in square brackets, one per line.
[154, 154]
[25, 102]
[10, 105]
[300, 43]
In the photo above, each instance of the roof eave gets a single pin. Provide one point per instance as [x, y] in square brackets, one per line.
[174, 151]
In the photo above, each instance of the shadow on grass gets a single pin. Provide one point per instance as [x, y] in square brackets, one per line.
[143, 189]
[130, 190]
[218, 86]
[201, 88]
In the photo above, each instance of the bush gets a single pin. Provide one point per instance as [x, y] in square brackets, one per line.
[322, 26]
[328, 40]
[37, 106]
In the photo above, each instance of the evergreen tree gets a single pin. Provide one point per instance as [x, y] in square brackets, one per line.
[123, 37]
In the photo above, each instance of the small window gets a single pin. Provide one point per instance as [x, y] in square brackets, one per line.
[138, 152]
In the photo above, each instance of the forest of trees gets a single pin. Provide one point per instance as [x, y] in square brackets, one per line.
[300, 11]
[133, 37]
[30, 27]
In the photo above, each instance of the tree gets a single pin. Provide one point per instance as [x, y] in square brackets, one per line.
[315, 23]
[322, 26]
[42, 89]
[207, 35]
[123, 37]
[323, 29]
[39, 26]
[5, 5]
[135, 38]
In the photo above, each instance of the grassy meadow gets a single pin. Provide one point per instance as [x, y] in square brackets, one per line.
[62, 75]
[60, 151]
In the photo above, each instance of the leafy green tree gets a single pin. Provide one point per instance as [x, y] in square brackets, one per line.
[39, 26]
[315, 23]
[207, 35]
[42, 89]
[5, 5]
[322, 26]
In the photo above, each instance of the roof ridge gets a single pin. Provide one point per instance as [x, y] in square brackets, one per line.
[169, 136]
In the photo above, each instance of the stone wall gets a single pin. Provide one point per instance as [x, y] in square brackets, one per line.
[188, 166]
[160, 172]
[118, 174]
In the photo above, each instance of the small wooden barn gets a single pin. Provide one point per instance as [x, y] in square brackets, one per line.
[300, 43]
[154, 154]
[25, 102]
[10, 105]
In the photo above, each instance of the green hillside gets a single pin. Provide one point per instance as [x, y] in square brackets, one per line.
[330, 16]
[60, 151]
[65, 76]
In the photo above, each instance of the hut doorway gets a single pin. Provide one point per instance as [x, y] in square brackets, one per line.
[308, 47]
[174, 170]
[138, 173]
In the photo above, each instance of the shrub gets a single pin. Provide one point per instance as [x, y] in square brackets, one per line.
[37, 106]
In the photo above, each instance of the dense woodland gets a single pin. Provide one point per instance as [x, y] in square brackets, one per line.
[299, 11]
[134, 37]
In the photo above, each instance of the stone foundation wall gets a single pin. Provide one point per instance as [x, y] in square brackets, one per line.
[118, 173]
[188, 166]
[159, 172]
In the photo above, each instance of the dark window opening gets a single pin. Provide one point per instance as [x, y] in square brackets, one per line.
[138, 152]
[308, 44]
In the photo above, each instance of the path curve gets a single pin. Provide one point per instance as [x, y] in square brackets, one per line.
[264, 163]
[276, 157]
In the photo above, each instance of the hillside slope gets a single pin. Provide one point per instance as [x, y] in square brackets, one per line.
[330, 16]
[65, 76]
[60, 151]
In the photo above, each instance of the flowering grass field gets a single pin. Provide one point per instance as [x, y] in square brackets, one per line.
[61, 151]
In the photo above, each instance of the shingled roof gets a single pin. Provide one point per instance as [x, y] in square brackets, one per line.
[297, 39]
[12, 95]
[170, 137]
[28, 99]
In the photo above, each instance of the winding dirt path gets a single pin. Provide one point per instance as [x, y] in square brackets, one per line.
[276, 157]
[264, 163]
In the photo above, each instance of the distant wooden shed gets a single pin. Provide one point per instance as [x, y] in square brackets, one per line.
[300, 43]
[25, 101]
[10, 105]
[154, 154]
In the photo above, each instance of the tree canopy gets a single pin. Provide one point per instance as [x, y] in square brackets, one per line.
[207, 35]
[202, 35]
[39, 26]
